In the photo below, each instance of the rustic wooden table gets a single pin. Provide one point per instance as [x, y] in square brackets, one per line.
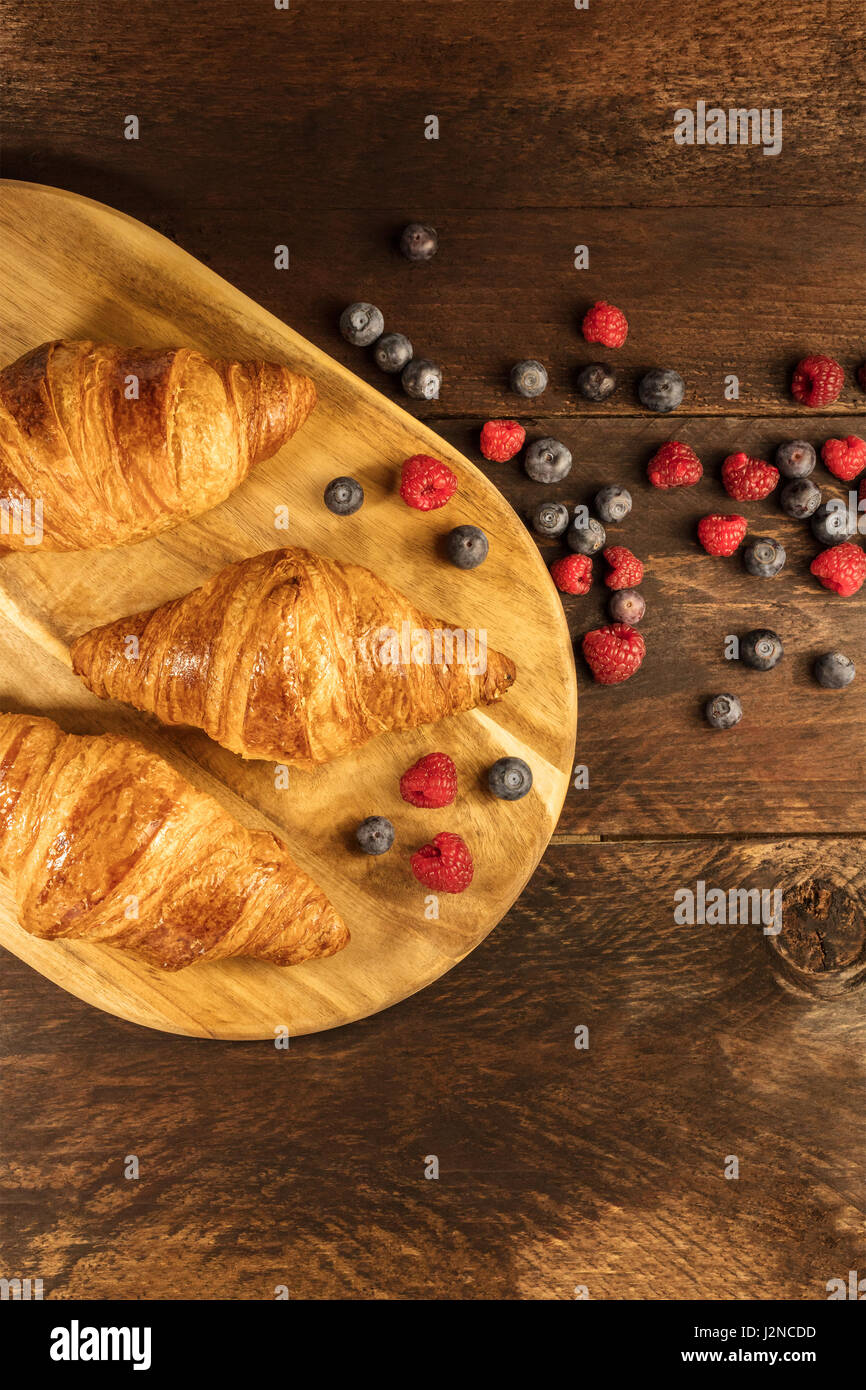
[561, 1167]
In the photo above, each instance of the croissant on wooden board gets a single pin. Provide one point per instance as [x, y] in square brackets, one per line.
[104, 842]
[108, 445]
[292, 657]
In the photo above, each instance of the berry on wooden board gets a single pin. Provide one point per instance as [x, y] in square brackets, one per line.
[510, 779]
[572, 574]
[550, 519]
[761, 649]
[613, 653]
[675, 465]
[841, 569]
[661, 390]
[392, 352]
[375, 835]
[344, 496]
[626, 570]
[845, 458]
[445, 865]
[361, 324]
[721, 535]
[817, 381]
[588, 539]
[796, 459]
[764, 557]
[800, 498]
[834, 670]
[626, 606]
[431, 782]
[748, 479]
[547, 461]
[426, 483]
[613, 503]
[605, 324]
[422, 379]
[419, 242]
[723, 711]
[831, 523]
[501, 440]
[596, 381]
[467, 547]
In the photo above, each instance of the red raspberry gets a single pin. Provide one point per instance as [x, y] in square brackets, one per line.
[613, 653]
[721, 535]
[674, 465]
[426, 483]
[842, 568]
[845, 458]
[626, 570]
[572, 575]
[747, 479]
[604, 324]
[817, 381]
[430, 782]
[445, 865]
[501, 440]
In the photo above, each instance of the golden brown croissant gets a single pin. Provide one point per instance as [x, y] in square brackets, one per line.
[292, 657]
[114, 444]
[103, 841]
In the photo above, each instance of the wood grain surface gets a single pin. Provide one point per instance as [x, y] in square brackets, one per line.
[559, 1167]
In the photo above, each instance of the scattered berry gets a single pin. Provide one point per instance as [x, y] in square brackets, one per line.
[550, 519]
[834, 670]
[845, 458]
[661, 390]
[613, 653]
[547, 461]
[510, 779]
[597, 381]
[675, 465]
[375, 835]
[800, 498]
[796, 459]
[842, 569]
[392, 352]
[467, 547]
[445, 865]
[361, 324]
[817, 381]
[343, 496]
[501, 440]
[831, 523]
[418, 242]
[764, 557]
[761, 649]
[572, 574]
[528, 378]
[588, 539]
[723, 711]
[431, 782]
[748, 479]
[626, 606]
[605, 324]
[422, 379]
[721, 535]
[613, 503]
[626, 570]
[426, 483]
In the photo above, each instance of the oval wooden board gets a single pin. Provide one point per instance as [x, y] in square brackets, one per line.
[70, 267]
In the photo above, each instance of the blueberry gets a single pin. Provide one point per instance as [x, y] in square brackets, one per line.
[547, 461]
[467, 547]
[375, 835]
[588, 539]
[597, 381]
[422, 379]
[343, 496]
[550, 519]
[831, 523]
[834, 671]
[723, 711]
[761, 649]
[627, 606]
[800, 498]
[361, 324]
[662, 390]
[418, 242]
[528, 378]
[509, 779]
[796, 459]
[764, 557]
[613, 503]
[392, 352]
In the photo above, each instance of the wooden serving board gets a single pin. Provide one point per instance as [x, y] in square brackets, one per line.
[70, 267]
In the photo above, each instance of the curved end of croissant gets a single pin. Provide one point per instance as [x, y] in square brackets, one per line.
[273, 404]
[500, 675]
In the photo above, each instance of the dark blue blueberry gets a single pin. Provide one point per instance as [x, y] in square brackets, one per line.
[547, 460]
[597, 381]
[528, 378]
[834, 671]
[375, 835]
[392, 352]
[796, 459]
[800, 498]
[343, 496]
[661, 390]
[626, 606]
[613, 503]
[764, 557]
[588, 539]
[467, 547]
[361, 324]
[550, 519]
[831, 523]
[509, 779]
[761, 649]
[419, 242]
[422, 379]
[723, 711]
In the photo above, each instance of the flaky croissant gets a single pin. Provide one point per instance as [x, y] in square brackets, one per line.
[292, 657]
[114, 444]
[103, 841]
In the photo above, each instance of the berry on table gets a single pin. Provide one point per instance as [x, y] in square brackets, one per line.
[501, 440]
[596, 381]
[343, 496]
[613, 503]
[661, 390]
[361, 324]
[626, 570]
[467, 547]
[761, 649]
[626, 606]
[723, 711]
[419, 242]
[431, 782]
[800, 498]
[510, 779]
[528, 378]
[392, 352]
[547, 461]
[748, 479]
[845, 458]
[675, 465]
[764, 557]
[817, 381]
[426, 483]
[588, 539]
[375, 835]
[796, 459]
[721, 535]
[841, 569]
[831, 523]
[422, 379]
[572, 574]
[605, 324]
[445, 865]
[550, 519]
[613, 653]
[834, 670]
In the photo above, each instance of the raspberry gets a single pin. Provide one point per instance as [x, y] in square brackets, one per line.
[430, 782]
[721, 535]
[817, 381]
[426, 483]
[573, 574]
[445, 865]
[842, 568]
[614, 653]
[747, 479]
[501, 440]
[845, 458]
[626, 570]
[674, 465]
[605, 324]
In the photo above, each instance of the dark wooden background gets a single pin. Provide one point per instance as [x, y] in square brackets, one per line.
[558, 1167]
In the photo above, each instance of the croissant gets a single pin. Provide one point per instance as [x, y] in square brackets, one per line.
[103, 841]
[103, 445]
[292, 657]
